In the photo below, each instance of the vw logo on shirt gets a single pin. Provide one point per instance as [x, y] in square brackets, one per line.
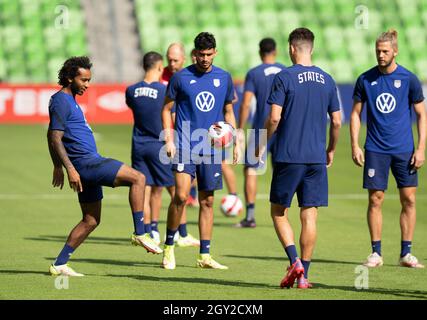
[205, 101]
[385, 103]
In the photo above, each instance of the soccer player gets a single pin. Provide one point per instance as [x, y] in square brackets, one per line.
[203, 94]
[301, 98]
[176, 58]
[391, 94]
[146, 99]
[72, 145]
[257, 84]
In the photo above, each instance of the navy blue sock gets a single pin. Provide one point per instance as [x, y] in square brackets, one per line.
[64, 255]
[154, 226]
[138, 222]
[233, 193]
[147, 228]
[291, 252]
[169, 237]
[193, 192]
[306, 265]
[376, 247]
[183, 230]
[205, 246]
[250, 211]
[405, 248]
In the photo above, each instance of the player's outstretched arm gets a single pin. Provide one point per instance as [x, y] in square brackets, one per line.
[271, 126]
[167, 122]
[231, 119]
[243, 115]
[334, 132]
[59, 157]
[419, 155]
[355, 122]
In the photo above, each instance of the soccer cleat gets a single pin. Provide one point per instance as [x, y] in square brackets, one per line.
[245, 224]
[410, 261]
[63, 270]
[294, 271]
[156, 236]
[374, 260]
[147, 242]
[207, 262]
[168, 261]
[303, 283]
[192, 202]
[188, 241]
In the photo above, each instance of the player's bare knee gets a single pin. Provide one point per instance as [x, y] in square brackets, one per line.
[207, 203]
[376, 200]
[408, 202]
[180, 198]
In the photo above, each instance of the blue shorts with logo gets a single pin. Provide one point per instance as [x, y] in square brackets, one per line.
[146, 159]
[309, 181]
[207, 171]
[95, 172]
[377, 167]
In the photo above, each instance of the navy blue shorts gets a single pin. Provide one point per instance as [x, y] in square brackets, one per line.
[96, 172]
[377, 167]
[309, 181]
[209, 175]
[145, 158]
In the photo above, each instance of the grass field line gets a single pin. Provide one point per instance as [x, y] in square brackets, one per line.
[260, 196]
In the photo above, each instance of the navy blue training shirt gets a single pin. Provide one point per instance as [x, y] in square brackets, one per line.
[146, 101]
[66, 115]
[307, 95]
[259, 81]
[199, 100]
[389, 99]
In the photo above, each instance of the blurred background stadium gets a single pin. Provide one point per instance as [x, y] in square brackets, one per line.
[36, 36]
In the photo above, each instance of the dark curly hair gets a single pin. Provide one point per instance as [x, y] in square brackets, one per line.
[204, 41]
[70, 68]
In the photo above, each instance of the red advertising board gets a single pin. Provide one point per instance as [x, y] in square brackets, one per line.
[101, 103]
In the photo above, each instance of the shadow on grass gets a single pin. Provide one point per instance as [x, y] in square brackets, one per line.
[90, 240]
[23, 272]
[212, 281]
[285, 259]
[122, 263]
[408, 294]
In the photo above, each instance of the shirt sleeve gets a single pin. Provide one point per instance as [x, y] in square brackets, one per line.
[128, 96]
[173, 87]
[230, 90]
[249, 83]
[415, 90]
[334, 102]
[359, 93]
[278, 90]
[58, 114]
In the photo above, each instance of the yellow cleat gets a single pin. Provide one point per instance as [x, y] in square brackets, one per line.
[147, 242]
[188, 241]
[63, 270]
[207, 262]
[168, 261]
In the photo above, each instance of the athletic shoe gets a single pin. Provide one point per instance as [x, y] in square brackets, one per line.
[410, 261]
[294, 271]
[207, 262]
[168, 261]
[246, 224]
[63, 270]
[192, 202]
[303, 283]
[188, 241]
[374, 260]
[156, 236]
[147, 242]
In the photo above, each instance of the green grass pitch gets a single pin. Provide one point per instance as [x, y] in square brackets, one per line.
[36, 219]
